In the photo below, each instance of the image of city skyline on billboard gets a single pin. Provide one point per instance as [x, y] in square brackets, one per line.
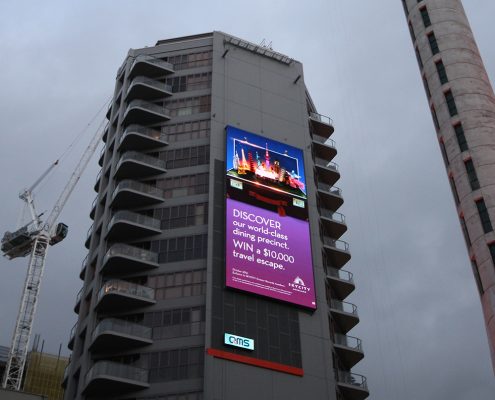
[268, 239]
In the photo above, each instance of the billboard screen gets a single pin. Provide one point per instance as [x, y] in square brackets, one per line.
[268, 249]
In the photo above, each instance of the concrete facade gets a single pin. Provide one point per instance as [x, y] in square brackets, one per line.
[462, 102]
[136, 337]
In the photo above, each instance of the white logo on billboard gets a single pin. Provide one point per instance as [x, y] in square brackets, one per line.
[298, 285]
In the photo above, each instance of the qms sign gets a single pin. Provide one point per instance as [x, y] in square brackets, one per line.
[238, 341]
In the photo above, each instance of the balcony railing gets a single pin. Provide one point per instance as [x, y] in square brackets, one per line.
[116, 286]
[139, 137]
[341, 281]
[340, 274]
[77, 306]
[133, 163]
[324, 140]
[348, 341]
[84, 264]
[129, 216]
[336, 244]
[343, 306]
[145, 111]
[159, 65]
[140, 187]
[160, 88]
[321, 125]
[348, 378]
[321, 118]
[72, 337]
[333, 190]
[333, 215]
[326, 164]
[125, 250]
[109, 377]
[122, 327]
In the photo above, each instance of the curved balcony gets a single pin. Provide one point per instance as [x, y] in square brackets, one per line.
[150, 66]
[352, 386]
[106, 129]
[114, 334]
[324, 147]
[98, 180]
[321, 125]
[133, 164]
[130, 193]
[345, 314]
[349, 349]
[123, 258]
[333, 222]
[144, 112]
[92, 213]
[129, 225]
[337, 251]
[72, 337]
[101, 157]
[340, 281]
[138, 137]
[77, 306]
[327, 172]
[87, 242]
[145, 88]
[109, 378]
[84, 264]
[330, 196]
[117, 295]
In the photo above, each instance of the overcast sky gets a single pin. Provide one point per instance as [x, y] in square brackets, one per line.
[421, 320]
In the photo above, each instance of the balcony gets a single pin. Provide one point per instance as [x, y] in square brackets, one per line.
[137, 137]
[77, 306]
[113, 334]
[92, 213]
[123, 258]
[145, 88]
[133, 164]
[345, 314]
[84, 264]
[321, 125]
[129, 225]
[352, 386]
[330, 196]
[130, 193]
[98, 180]
[72, 337]
[349, 349]
[340, 281]
[101, 157]
[323, 147]
[144, 112]
[87, 242]
[122, 295]
[337, 251]
[333, 222]
[66, 375]
[327, 172]
[107, 378]
[150, 66]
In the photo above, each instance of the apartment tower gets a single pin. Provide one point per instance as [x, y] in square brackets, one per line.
[462, 105]
[214, 268]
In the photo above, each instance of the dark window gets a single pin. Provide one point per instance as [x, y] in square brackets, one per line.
[449, 98]
[186, 157]
[184, 185]
[188, 106]
[484, 216]
[461, 139]
[427, 87]
[477, 278]
[182, 215]
[418, 57]
[176, 323]
[435, 118]
[178, 284]
[194, 60]
[472, 176]
[491, 246]
[411, 31]
[444, 152]
[180, 248]
[187, 131]
[454, 189]
[433, 43]
[442, 73]
[190, 82]
[425, 16]
[176, 364]
[465, 231]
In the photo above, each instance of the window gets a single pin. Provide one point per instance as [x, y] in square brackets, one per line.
[454, 189]
[449, 98]
[176, 323]
[186, 157]
[442, 73]
[176, 364]
[190, 82]
[461, 139]
[425, 16]
[435, 118]
[484, 216]
[182, 215]
[433, 43]
[187, 131]
[465, 231]
[444, 152]
[178, 284]
[472, 176]
[194, 60]
[491, 247]
[180, 248]
[418, 57]
[188, 106]
[427, 87]
[477, 278]
[184, 185]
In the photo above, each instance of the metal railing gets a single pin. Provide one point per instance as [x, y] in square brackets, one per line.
[348, 341]
[118, 370]
[323, 140]
[151, 82]
[337, 244]
[124, 287]
[321, 118]
[148, 106]
[326, 164]
[79, 296]
[141, 130]
[152, 60]
[330, 189]
[123, 327]
[351, 379]
[129, 216]
[138, 187]
[90, 231]
[340, 274]
[344, 306]
[333, 215]
[84, 263]
[121, 249]
[144, 158]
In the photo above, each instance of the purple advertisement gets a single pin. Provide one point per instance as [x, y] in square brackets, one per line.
[267, 229]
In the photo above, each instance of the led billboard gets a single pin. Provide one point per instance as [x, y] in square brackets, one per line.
[268, 249]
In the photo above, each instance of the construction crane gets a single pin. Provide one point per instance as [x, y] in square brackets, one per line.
[33, 239]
